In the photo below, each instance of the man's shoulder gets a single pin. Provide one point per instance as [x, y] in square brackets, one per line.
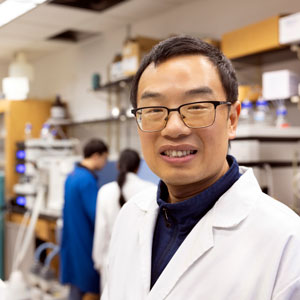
[80, 173]
[278, 213]
[265, 214]
[81, 179]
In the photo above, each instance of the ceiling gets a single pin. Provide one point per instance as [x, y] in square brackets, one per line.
[30, 32]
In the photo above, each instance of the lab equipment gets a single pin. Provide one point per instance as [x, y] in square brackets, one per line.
[275, 157]
[48, 162]
[2, 207]
[39, 285]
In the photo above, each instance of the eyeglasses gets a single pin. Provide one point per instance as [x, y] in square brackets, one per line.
[194, 115]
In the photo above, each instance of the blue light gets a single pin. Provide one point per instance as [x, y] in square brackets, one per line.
[21, 154]
[21, 200]
[20, 168]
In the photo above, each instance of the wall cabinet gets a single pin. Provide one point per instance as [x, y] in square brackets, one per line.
[14, 116]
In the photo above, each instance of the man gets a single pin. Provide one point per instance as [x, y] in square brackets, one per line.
[81, 190]
[208, 232]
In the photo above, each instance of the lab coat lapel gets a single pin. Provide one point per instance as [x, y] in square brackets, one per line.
[145, 239]
[197, 243]
[235, 205]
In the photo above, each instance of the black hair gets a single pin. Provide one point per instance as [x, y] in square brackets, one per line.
[187, 45]
[94, 146]
[129, 161]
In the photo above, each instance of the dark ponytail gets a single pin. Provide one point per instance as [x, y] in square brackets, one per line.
[129, 161]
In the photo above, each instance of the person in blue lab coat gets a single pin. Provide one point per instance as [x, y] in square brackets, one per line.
[81, 188]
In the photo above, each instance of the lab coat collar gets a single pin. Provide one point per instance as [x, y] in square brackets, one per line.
[150, 208]
[232, 207]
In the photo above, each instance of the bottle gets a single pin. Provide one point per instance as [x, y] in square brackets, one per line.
[53, 134]
[262, 114]
[95, 81]
[281, 116]
[45, 132]
[246, 115]
[28, 131]
[58, 110]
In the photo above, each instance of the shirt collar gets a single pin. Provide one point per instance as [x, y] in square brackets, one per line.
[91, 171]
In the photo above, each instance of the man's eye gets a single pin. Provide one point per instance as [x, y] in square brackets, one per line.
[197, 107]
[154, 111]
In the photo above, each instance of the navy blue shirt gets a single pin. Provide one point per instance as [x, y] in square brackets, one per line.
[176, 220]
[77, 267]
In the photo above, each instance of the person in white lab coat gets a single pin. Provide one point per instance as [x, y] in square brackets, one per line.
[111, 197]
[208, 231]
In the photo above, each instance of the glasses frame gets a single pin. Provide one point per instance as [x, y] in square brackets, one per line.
[215, 103]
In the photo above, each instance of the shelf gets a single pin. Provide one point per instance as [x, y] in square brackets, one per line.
[59, 122]
[116, 85]
[82, 122]
[267, 133]
[270, 56]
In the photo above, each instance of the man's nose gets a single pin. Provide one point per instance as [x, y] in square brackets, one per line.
[175, 126]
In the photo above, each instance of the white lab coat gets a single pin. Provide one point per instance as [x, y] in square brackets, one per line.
[247, 247]
[106, 212]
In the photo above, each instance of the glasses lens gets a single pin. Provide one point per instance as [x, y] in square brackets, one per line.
[196, 115]
[152, 118]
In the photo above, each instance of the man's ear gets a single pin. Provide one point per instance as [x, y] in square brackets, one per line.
[234, 114]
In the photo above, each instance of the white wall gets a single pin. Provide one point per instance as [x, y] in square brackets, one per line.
[69, 74]
[3, 73]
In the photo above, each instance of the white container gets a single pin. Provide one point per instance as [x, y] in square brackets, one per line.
[246, 115]
[281, 117]
[58, 112]
[289, 29]
[280, 84]
[45, 132]
[262, 114]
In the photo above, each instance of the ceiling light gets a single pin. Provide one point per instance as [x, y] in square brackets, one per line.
[15, 88]
[11, 9]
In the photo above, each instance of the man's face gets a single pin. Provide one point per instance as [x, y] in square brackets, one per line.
[177, 81]
[100, 160]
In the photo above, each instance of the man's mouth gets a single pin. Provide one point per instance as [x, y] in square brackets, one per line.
[178, 153]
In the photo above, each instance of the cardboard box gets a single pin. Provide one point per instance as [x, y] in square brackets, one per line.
[281, 84]
[213, 42]
[249, 92]
[133, 52]
[289, 29]
[251, 39]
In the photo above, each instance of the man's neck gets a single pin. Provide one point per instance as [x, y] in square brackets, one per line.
[178, 193]
[87, 163]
